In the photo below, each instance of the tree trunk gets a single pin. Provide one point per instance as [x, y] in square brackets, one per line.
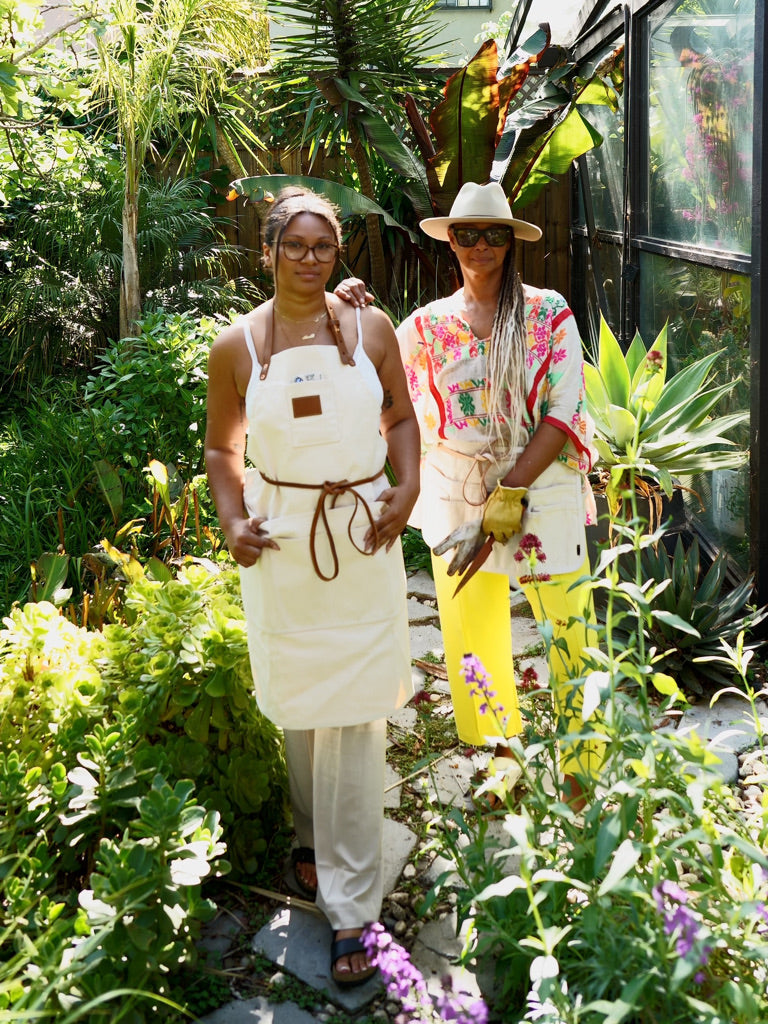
[130, 288]
[380, 280]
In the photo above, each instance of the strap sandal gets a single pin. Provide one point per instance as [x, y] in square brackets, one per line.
[303, 855]
[347, 947]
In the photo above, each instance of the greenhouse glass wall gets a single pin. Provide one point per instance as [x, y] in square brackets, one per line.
[668, 225]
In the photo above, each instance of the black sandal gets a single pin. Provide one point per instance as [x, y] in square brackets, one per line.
[346, 947]
[303, 855]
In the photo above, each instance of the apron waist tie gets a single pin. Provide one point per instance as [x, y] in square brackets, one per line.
[333, 488]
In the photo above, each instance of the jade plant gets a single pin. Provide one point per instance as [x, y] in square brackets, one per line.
[657, 426]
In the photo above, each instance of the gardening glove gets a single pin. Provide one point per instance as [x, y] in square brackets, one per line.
[503, 513]
[467, 539]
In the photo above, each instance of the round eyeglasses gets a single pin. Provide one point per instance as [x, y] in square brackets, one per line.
[467, 237]
[324, 252]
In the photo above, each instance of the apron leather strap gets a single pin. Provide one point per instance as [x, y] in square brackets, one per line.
[333, 322]
[333, 488]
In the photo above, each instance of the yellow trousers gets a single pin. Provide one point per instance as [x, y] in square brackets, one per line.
[477, 621]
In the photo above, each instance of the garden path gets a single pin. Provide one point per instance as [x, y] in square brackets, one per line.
[296, 939]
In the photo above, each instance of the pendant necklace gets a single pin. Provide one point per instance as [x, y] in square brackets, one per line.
[310, 320]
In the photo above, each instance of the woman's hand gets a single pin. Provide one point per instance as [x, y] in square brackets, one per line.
[246, 540]
[398, 503]
[353, 291]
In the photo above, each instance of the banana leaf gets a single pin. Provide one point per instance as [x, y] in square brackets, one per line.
[465, 125]
[349, 202]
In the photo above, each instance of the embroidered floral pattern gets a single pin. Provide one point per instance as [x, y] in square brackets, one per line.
[447, 374]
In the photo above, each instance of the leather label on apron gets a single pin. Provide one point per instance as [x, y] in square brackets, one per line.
[307, 405]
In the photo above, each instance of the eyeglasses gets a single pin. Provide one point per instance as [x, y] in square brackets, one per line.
[324, 252]
[467, 237]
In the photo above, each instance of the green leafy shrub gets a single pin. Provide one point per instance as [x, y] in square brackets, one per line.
[72, 465]
[127, 757]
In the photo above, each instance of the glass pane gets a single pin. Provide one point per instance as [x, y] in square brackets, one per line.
[708, 311]
[701, 57]
[600, 268]
[606, 162]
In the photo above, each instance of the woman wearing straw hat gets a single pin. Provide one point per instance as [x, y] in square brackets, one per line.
[496, 377]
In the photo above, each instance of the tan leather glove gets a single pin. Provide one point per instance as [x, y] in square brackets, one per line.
[503, 514]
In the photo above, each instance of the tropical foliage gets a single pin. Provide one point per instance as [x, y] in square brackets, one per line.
[692, 611]
[486, 127]
[654, 426]
[157, 64]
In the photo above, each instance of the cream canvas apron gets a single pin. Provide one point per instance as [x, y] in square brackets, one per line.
[455, 482]
[330, 651]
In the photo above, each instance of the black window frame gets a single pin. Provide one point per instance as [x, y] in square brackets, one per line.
[629, 24]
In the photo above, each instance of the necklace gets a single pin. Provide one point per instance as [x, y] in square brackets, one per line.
[308, 320]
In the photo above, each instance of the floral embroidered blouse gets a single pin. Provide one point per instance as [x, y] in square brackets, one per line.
[447, 375]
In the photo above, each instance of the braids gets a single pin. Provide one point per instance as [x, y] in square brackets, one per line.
[507, 353]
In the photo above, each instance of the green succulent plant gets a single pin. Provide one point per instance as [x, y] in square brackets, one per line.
[693, 611]
[654, 427]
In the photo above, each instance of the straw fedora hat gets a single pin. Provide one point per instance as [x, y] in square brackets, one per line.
[479, 203]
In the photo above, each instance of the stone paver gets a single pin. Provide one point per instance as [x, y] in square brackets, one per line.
[426, 640]
[259, 1011]
[437, 946]
[420, 614]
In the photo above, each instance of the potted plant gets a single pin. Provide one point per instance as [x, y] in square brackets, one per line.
[652, 428]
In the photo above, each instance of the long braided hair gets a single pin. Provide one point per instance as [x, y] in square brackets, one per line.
[507, 353]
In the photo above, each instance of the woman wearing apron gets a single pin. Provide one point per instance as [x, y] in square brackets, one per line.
[313, 393]
[496, 377]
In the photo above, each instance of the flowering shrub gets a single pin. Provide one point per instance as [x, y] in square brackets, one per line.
[651, 904]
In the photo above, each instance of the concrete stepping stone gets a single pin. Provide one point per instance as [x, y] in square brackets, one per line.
[728, 725]
[300, 942]
[435, 951]
[421, 586]
[404, 719]
[426, 640]
[449, 778]
[392, 788]
[525, 634]
[420, 614]
[258, 1011]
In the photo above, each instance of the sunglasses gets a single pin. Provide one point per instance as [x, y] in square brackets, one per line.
[467, 237]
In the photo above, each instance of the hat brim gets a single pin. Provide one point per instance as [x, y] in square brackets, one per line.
[437, 227]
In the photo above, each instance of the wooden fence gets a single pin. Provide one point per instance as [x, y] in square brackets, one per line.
[544, 264]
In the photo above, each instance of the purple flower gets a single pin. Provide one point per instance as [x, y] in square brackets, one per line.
[405, 982]
[479, 683]
[679, 919]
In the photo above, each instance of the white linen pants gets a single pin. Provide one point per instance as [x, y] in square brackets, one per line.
[336, 778]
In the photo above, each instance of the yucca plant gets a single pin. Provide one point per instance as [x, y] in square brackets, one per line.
[692, 614]
[656, 427]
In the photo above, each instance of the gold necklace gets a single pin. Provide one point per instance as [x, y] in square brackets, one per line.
[308, 320]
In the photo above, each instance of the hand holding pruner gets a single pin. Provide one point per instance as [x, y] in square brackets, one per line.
[502, 518]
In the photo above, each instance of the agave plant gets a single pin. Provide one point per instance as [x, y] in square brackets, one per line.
[691, 611]
[652, 427]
